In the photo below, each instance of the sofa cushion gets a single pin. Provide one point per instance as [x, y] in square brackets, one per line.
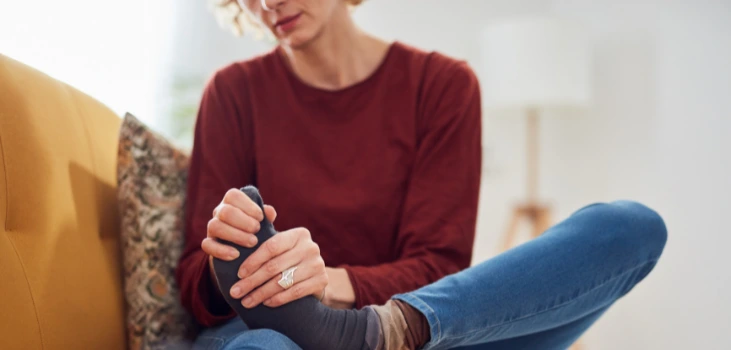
[151, 175]
[60, 264]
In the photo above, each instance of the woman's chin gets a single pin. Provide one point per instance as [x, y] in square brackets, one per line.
[296, 40]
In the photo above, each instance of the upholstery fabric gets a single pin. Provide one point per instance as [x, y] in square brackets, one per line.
[151, 196]
[60, 250]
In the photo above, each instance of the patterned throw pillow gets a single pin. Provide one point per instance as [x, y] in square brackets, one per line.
[151, 179]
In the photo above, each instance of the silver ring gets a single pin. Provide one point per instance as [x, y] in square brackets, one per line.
[287, 279]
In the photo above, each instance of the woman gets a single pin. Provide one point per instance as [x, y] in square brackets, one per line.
[371, 149]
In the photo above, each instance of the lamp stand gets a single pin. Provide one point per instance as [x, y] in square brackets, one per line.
[536, 213]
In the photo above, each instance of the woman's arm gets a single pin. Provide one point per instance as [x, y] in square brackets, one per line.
[437, 229]
[221, 158]
[339, 293]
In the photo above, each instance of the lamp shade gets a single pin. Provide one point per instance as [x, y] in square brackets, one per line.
[536, 62]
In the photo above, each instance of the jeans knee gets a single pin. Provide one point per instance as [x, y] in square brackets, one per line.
[641, 227]
[648, 223]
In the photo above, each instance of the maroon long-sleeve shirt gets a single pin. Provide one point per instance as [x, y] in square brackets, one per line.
[385, 173]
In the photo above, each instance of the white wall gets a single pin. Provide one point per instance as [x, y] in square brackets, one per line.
[109, 50]
[659, 132]
[200, 46]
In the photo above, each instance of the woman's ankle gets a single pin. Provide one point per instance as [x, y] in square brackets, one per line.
[402, 326]
[417, 330]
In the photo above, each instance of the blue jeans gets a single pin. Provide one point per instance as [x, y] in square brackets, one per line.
[540, 295]
[234, 335]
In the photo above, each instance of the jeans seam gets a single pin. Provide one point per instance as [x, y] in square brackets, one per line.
[555, 306]
[439, 322]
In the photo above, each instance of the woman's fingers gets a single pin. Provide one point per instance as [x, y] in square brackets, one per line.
[239, 199]
[236, 218]
[267, 271]
[218, 250]
[219, 229]
[280, 243]
[307, 281]
[311, 286]
[270, 212]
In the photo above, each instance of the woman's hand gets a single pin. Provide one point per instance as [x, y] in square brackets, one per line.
[236, 219]
[262, 269]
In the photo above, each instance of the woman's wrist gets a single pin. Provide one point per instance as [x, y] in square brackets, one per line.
[339, 293]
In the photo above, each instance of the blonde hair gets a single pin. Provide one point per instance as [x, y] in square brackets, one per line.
[239, 20]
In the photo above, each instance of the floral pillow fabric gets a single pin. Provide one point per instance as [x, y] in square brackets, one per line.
[151, 179]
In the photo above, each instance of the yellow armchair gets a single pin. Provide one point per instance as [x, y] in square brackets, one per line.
[60, 263]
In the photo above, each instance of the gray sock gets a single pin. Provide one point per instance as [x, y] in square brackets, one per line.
[306, 321]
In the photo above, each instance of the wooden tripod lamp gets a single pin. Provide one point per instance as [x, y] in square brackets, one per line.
[534, 64]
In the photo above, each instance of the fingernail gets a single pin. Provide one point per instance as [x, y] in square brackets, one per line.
[233, 254]
[242, 273]
[252, 240]
[247, 302]
[235, 292]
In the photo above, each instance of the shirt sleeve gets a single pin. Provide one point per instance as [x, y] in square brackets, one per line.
[221, 159]
[437, 229]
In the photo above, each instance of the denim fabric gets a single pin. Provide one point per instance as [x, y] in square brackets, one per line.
[234, 335]
[545, 293]
[540, 295]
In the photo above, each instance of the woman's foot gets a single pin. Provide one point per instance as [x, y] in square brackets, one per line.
[313, 325]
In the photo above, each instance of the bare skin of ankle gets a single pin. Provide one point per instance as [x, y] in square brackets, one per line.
[402, 326]
[417, 331]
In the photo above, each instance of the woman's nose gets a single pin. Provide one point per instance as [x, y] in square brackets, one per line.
[271, 5]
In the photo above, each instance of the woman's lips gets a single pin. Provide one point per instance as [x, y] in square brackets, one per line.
[287, 24]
